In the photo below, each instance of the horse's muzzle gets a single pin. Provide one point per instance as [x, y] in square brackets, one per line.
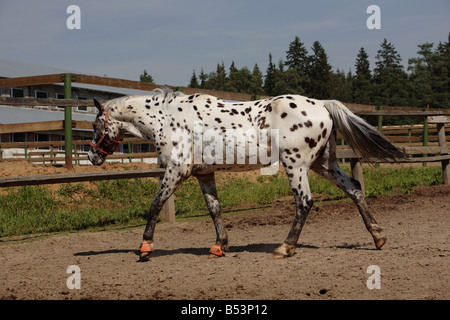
[95, 158]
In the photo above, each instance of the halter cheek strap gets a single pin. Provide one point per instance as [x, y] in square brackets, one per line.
[97, 146]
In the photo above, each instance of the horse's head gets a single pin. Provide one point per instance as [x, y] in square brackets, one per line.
[107, 136]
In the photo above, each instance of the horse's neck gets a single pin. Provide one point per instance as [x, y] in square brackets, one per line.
[137, 120]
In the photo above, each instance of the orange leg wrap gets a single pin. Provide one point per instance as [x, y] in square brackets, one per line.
[216, 250]
[146, 247]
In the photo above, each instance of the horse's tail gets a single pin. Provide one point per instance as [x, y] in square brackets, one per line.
[361, 136]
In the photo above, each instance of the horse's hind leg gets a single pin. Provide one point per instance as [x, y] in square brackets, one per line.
[298, 180]
[327, 167]
[208, 186]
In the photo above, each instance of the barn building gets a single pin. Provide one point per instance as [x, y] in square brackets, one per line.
[23, 114]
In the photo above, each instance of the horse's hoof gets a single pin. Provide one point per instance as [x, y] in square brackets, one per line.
[378, 238]
[277, 255]
[144, 256]
[146, 250]
[216, 251]
[379, 242]
[284, 251]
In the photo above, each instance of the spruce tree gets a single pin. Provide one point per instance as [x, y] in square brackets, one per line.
[339, 87]
[221, 77]
[420, 79]
[203, 78]
[269, 82]
[297, 56]
[257, 81]
[361, 86]
[241, 80]
[389, 78]
[320, 73]
[194, 81]
[298, 63]
[145, 77]
[441, 76]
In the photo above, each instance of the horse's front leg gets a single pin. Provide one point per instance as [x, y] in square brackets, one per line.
[168, 185]
[208, 185]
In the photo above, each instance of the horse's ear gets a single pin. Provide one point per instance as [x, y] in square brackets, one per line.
[99, 106]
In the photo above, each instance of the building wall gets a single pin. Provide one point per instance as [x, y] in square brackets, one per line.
[57, 91]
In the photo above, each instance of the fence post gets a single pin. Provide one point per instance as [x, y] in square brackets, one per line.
[68, 121]
[425, 134]
[51, 154]
[380, 126]
[445, 163]
[130, 151]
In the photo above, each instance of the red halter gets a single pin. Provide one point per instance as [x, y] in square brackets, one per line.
[97, 146]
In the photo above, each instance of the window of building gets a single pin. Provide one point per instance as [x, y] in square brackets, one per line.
[61, 148]
[85, 147]
[17, 137]
[17, 93]
[39, 137]
[60, 96]
[40, 94]
[82, 108]
[144, 148]
[124, 148]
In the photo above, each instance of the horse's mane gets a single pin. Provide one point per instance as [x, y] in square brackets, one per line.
[167, 93]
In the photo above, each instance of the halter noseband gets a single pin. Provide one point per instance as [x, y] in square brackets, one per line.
[96, 147]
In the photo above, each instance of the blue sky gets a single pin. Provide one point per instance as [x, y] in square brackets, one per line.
[171, 38]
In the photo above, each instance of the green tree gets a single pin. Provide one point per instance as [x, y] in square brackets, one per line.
[441, 75]
[203, 78]
[145, 77]
[281, 84]
[241, 80]
[339, 88]
[257, 81]
[320, 73]
[271, 74]
[217, 80]
[194, 81]
[235, 83]
[361, 86]
[389, 78]
[420, 79]
[297, 56]
[298, 63]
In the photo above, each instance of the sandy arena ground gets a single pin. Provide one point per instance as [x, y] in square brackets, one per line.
[330, 262]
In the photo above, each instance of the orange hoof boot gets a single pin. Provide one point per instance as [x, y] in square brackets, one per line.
[146, 250]
[216, 251]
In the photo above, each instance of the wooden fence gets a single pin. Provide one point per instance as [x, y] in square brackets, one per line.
[438, 152]
[418, 141]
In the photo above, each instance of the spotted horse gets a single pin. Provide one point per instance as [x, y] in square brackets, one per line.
[306, 140]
